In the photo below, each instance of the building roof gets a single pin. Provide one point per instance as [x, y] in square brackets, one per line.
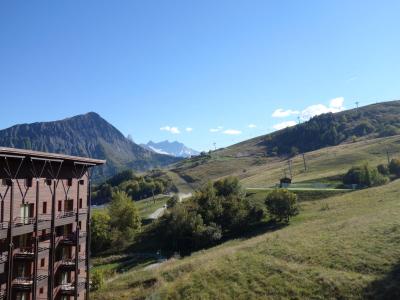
[4, 151]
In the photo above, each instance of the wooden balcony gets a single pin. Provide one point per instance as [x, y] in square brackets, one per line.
[3, 230]
[23, 225]
[28, 253]
[3, 260]
[69, 288]
[25, 283]
[70, 239]
[64, 218]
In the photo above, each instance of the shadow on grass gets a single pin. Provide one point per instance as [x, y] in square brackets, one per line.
[387, 287]
[255, 229]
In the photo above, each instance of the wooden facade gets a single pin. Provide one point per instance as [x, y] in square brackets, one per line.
[44, 225]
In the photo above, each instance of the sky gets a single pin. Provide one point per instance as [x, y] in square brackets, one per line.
[200, 72]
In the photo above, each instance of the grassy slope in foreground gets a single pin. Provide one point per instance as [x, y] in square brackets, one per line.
[343, 247]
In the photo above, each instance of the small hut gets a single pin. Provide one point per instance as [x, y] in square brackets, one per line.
[285, 182]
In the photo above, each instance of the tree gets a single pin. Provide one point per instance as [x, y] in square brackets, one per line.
[281, 205]
[124, 219]
[394, 166]
[172, 201]
[100, 231]
[294, 151]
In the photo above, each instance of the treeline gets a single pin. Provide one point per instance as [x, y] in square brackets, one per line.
[332, 129]
[135, 186]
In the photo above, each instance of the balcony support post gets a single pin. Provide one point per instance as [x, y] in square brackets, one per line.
[77, 232]
[11, 245]
[35, 261]
[88, 237]
[52, 243]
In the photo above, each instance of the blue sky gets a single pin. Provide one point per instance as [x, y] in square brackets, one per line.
[222, 68]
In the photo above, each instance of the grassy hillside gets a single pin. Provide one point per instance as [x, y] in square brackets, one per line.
[330, 142]
[344, 247]
[257, 171]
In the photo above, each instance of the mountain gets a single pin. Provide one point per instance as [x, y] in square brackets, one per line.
[86, 135]
[171, 148]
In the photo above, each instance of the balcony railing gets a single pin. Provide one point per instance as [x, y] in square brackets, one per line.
[21, 221]
[26, 282]
[3, 259]
[68, 261]
[68, 288]
[65, 214]
[28, 252]
[4, 225]
[83, 211]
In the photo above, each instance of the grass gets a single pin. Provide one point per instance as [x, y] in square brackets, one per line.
[342, 247]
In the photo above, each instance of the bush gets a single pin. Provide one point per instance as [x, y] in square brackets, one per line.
[394, 167]
[383, 169]
[281, 205]
[171, 202]
[97, 279]
[364, 176]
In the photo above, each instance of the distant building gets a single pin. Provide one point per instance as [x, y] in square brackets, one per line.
[44, 225]
[285, 182]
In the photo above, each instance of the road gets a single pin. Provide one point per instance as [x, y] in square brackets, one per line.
[159, 212]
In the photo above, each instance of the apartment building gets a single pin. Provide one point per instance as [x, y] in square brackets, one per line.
[44, 225]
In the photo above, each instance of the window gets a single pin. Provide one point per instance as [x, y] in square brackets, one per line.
[43, 232]
[79, 248]
[79, 271]
[41, 290]
[80, 203]
[42, 262]
[80, 225]
[45, 207]
[28, 182]
[69, 183]
[59, 205]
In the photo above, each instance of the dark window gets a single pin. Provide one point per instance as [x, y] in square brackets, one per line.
[43, 232]
[59, 205]
[80, 203]
[41, 290]
[80, 224]
[79, 248]
[42, 261]
[48, 181]
[69, 182]
[45, 207]
[28, 182]
[81, 182]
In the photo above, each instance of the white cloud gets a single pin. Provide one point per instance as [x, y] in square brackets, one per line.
[281, 113]
[232, 132]
[219, 128]
[335, 105]
[189, 129]
[173, 130]
[284, 125]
